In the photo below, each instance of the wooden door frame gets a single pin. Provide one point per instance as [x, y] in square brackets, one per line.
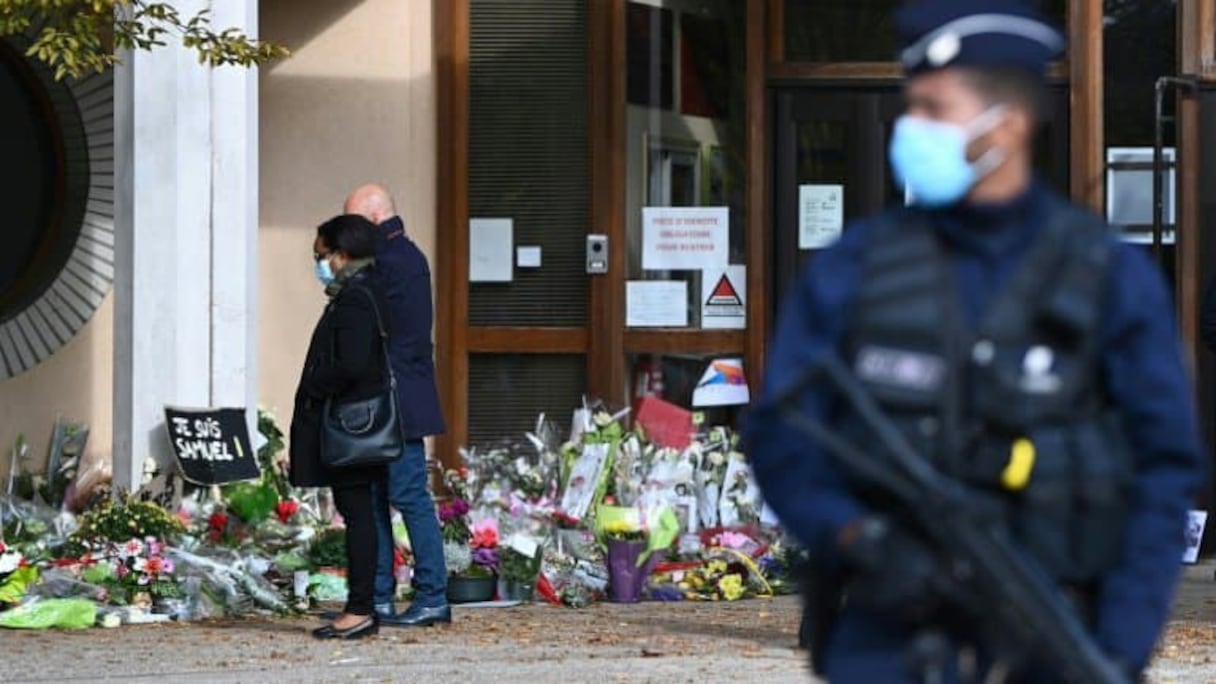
[457, 339]
[450, 37]
[1197, 59]
[605, 352]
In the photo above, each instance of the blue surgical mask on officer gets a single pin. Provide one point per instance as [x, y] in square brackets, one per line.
[929, 157]
[325, 273]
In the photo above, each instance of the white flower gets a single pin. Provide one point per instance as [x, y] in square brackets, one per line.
[131, 548]
[717, 458]
[9, 562]
[457, 557]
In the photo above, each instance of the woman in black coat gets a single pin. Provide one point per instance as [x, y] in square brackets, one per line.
[345, 362]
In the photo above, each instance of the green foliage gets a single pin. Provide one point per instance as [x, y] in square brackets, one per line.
[14, 585]
[268, 455]
[328, 549]
[252, 502]
[516, 567]
[76, 37]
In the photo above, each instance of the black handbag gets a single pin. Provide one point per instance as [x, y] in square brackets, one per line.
[366, 432]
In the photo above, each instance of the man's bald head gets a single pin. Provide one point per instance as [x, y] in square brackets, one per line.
[372, 201]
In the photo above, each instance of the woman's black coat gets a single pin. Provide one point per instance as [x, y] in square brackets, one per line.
[345, 361]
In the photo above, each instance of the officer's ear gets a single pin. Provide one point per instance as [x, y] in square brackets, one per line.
[1020, 125]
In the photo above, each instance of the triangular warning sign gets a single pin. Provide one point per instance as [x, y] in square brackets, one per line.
[724, 294]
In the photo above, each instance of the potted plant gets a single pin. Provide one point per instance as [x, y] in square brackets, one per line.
[471, 572]
[623, 534]
[519, 567]
[630, 539]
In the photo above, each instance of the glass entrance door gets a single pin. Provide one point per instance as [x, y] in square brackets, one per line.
[831, 164]
[831, 168]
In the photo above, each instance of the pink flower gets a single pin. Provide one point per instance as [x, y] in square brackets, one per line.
[132, 548]
[485, 534]
[155, 548]
[733, 540]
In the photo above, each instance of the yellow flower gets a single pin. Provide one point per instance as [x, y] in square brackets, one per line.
[731, 587]
[619, 527]
[716, 567]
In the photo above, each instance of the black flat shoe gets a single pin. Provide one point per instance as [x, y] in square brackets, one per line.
[369, 627]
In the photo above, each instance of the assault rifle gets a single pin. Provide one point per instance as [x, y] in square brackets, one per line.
[1021, 617]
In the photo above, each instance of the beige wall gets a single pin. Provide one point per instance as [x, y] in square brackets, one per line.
[76, 383]
[355, 103]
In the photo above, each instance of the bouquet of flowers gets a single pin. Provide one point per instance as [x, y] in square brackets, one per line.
[454, 526]
[142, 567]
[483, 545]
[724, 575]
[135, 572]
[114, 521]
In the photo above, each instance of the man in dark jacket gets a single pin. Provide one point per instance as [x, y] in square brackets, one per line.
[407, 279]
[997, 325]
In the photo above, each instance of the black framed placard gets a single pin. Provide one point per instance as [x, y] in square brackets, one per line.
[211, 445]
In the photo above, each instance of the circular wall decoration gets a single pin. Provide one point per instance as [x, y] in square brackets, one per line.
[57, 190]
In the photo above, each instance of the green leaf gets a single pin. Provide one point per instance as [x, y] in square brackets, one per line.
[13, 588]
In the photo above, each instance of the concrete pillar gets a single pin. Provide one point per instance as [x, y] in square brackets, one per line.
[185, 239]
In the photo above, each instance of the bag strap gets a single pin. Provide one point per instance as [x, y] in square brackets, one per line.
[388, 362]
[375, 309]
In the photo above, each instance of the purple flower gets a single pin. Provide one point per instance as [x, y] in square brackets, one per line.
[487, 558]
[460, 506]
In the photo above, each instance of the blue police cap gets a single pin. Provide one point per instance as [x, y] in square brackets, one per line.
[936, 34]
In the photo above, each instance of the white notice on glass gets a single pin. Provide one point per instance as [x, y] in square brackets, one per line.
[527, 257]
[1195, 522]
[685, 238]
[491, 255]
[656, 304]
[820, 215]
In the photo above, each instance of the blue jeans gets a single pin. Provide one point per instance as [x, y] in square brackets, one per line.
[407, 492]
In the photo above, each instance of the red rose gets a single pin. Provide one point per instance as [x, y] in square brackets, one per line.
[218, 521]
[286, 509]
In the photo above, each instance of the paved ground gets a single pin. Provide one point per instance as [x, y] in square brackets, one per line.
[748, 641]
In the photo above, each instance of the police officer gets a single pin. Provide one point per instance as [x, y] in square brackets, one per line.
[999, 326]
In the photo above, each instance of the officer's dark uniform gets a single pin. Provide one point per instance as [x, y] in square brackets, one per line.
[978, 328]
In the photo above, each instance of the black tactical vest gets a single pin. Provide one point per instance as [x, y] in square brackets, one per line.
[1024, 380]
